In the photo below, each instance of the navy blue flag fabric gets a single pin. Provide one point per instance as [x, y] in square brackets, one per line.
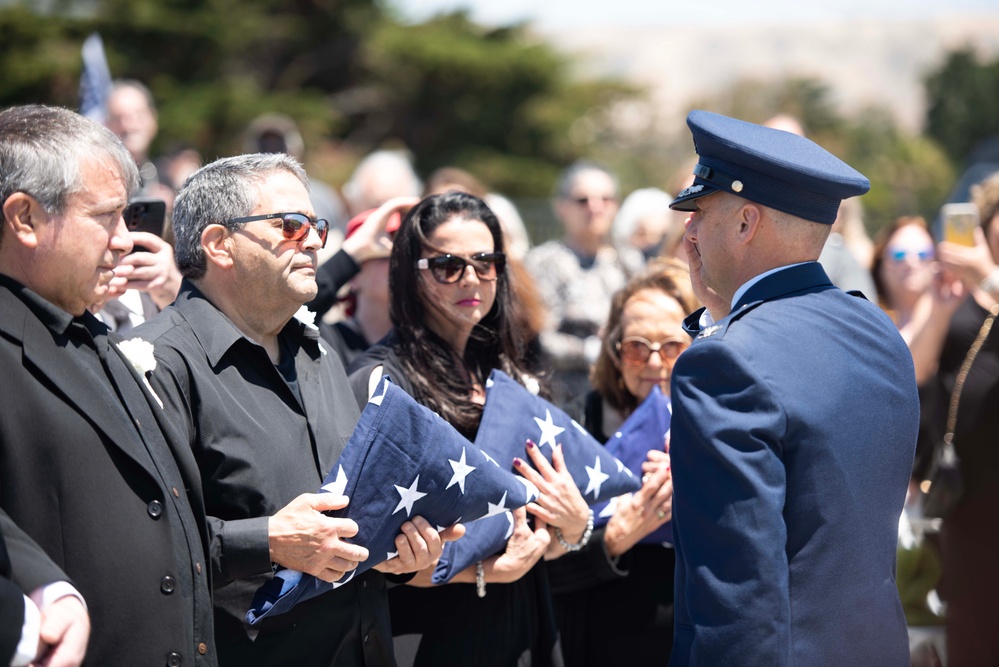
[511, 416]
[643, 430]
[402, 460]
[95, 80]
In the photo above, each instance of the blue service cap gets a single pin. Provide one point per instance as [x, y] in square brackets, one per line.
[771, 167]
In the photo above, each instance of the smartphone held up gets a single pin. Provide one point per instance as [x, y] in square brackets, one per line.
[959, 222]
[145, 214]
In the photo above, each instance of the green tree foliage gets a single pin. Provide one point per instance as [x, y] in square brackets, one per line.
[495, 101]
[212, 65]
[962, 103]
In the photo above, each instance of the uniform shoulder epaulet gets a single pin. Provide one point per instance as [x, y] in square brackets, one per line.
[858, 293]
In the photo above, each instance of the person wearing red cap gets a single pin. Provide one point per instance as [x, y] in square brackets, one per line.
[367, 304]
[367, 240]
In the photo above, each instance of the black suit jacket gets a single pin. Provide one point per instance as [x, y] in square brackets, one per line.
[109, 506]
[23, 568]
[11, 608]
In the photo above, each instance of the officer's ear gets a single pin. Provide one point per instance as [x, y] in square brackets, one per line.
[23, 219]
[217, 244]
[749, 218]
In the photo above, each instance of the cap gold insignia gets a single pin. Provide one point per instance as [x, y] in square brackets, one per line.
[710, 331]
[736, 186]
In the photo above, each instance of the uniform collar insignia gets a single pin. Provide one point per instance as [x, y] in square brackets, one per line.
[710, 331]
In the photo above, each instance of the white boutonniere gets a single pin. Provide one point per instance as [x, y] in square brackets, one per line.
[306, 317]
[140, 354]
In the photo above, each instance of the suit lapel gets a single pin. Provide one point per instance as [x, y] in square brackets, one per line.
[96, 401]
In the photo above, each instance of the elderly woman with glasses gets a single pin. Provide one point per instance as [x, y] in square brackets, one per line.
[451, 311]
[615, 587]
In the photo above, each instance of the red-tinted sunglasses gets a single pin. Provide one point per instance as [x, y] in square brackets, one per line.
[294, 226]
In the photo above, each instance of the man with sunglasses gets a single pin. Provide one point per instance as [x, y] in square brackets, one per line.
[267, 410]
[794, 420]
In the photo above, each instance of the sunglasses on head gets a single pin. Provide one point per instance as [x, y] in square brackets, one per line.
[294, 226]
[636, 350]
[899, 255]
[450, 268]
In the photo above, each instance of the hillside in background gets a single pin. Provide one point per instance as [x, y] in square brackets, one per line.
[863, 63]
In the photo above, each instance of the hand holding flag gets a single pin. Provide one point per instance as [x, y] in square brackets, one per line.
[512, 416]
[402, 460]
[644, 430]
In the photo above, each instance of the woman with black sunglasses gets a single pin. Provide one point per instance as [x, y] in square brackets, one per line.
[451, 308]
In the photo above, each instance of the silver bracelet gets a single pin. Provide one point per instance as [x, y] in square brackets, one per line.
[990, 283]
[582, 541]
[480, 580]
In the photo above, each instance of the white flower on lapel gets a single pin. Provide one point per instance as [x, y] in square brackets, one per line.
[306, 317]
[140, 354]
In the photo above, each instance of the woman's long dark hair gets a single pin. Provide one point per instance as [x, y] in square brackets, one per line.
[440, 380]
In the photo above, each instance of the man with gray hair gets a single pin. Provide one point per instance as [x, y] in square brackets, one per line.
[267, 410]
[380, 176]
[87, 459]
[577, 275]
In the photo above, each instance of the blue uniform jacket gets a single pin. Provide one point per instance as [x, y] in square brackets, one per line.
[793, 433]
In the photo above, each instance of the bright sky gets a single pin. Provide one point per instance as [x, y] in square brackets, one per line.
[557, 14]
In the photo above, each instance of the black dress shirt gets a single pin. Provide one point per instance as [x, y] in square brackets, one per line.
[259, 444]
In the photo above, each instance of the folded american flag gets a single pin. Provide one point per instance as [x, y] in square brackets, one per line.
[644, 429]
[511, 416]
[401, 461]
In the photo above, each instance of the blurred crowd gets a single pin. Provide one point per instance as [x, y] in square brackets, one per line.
[594, 318]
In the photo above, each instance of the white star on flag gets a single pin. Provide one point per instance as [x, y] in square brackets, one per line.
[391, 554]
[377, 400]
[496, 509]
[611, 507]
[461, 471]
[579, 427]
[548, 430]
[339, 485]
[509, 529]
[597, 477]
[490, 459]
[408, 496]
[344, 580]
[532, 491]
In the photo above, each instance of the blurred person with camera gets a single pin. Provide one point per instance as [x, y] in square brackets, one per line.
[960, 323]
